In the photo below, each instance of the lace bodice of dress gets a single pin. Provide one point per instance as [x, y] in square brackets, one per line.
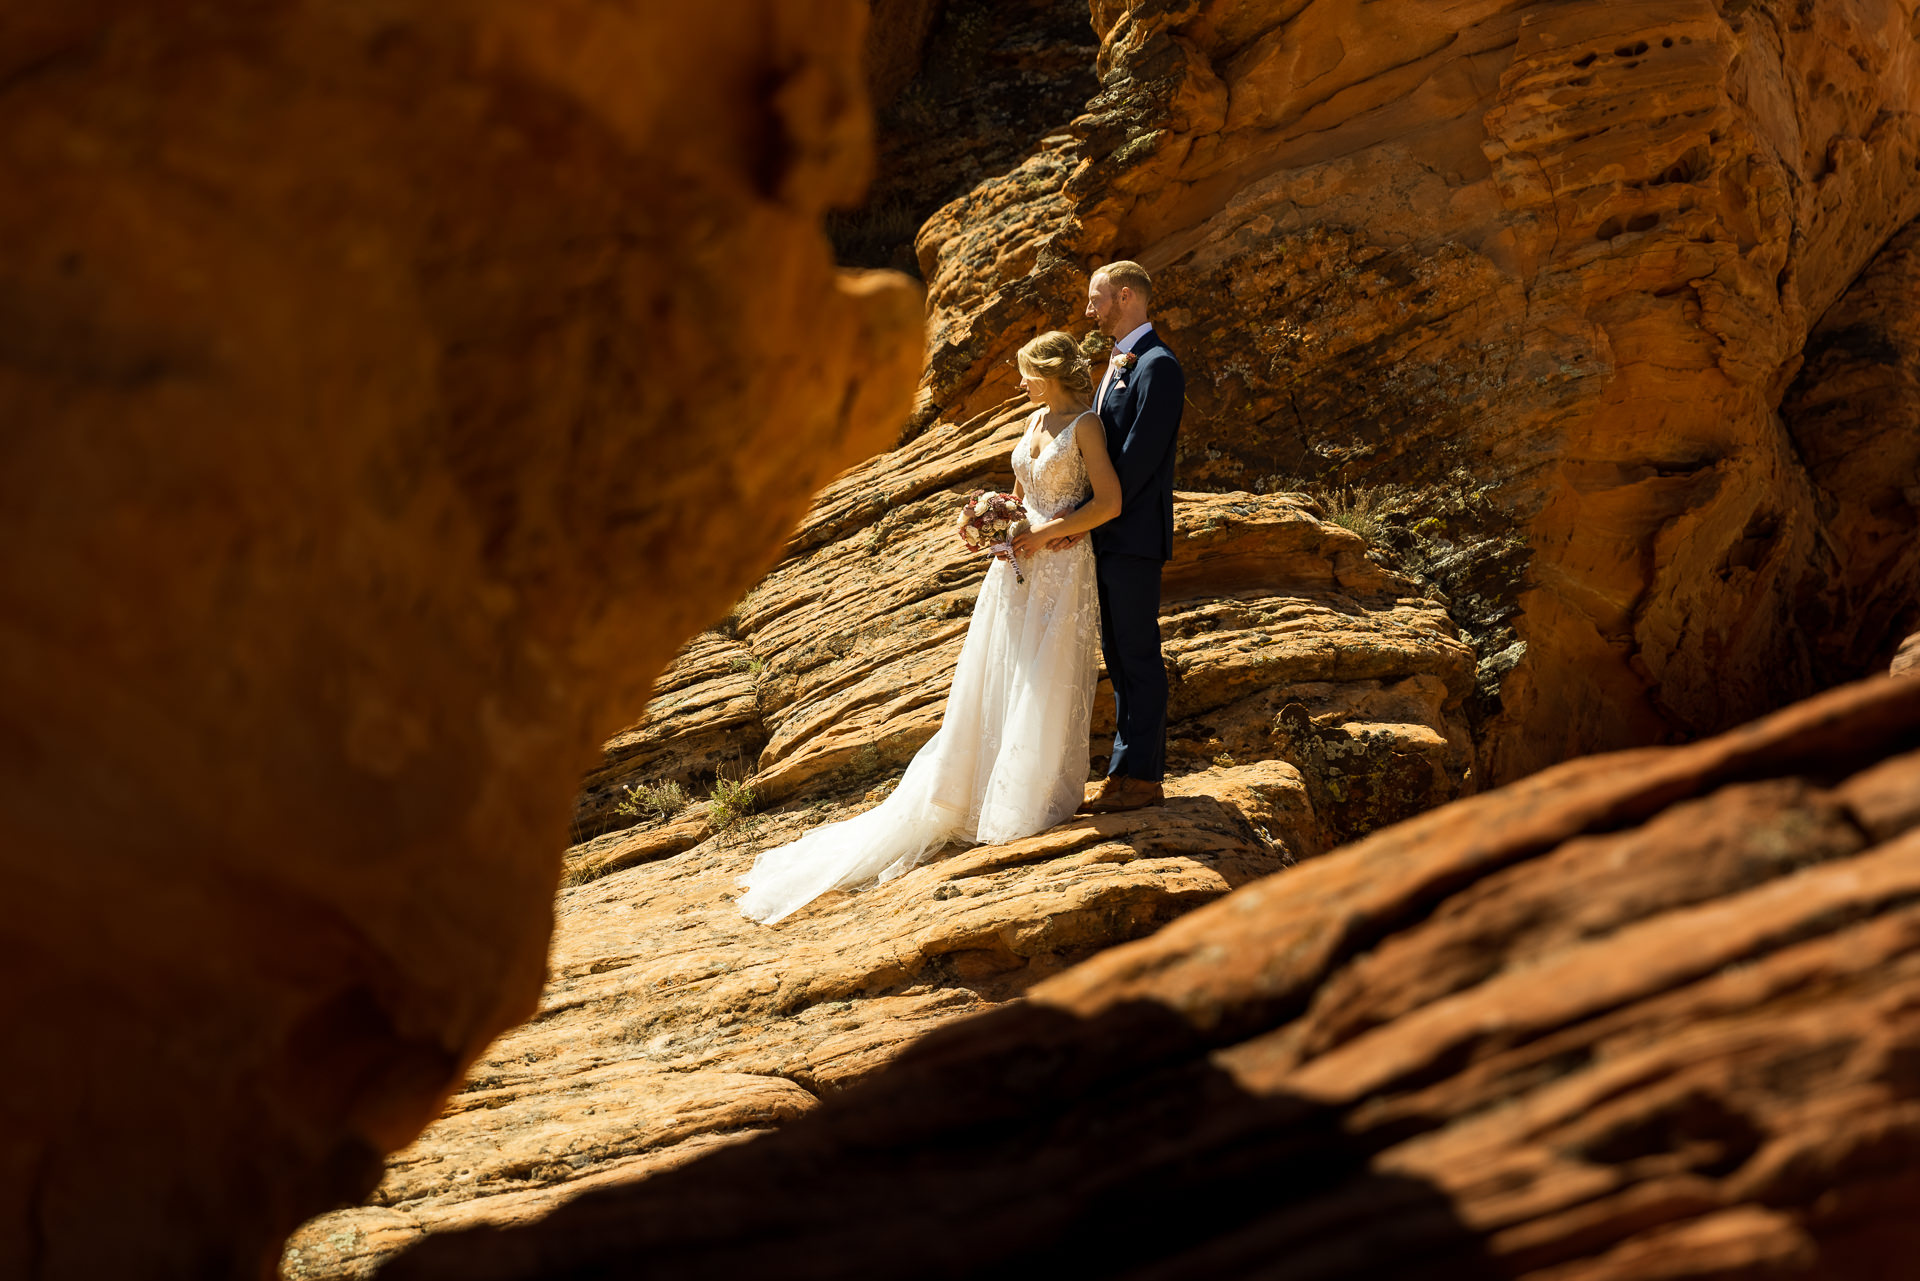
[1056, 481]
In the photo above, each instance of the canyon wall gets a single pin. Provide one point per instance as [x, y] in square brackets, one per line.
[1548, 268]
[386, 390]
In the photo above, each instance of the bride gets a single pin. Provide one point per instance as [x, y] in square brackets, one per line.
[1010, 758]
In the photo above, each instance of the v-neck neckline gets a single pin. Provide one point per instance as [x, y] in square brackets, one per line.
[1032, 455]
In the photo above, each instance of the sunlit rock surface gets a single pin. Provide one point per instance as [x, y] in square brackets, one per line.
[1563, 258]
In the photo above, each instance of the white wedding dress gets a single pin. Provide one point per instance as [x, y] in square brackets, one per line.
[1010, 758]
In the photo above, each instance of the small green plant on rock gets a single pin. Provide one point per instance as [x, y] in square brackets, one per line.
[1361, 508]
[652, 800]
[731, 801]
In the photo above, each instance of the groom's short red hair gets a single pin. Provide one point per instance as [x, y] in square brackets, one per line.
[1127, 274]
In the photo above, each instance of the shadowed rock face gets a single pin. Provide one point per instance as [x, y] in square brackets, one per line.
[985, 82]
[1642, 1015]
[1551, 266]
[389, 390]
[1854, 413]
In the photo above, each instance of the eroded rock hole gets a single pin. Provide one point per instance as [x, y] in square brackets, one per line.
[1631, 51]
[1687, 168]
[1755, 541]
[1708, 1135]
[1614, 227]
[1588, 61]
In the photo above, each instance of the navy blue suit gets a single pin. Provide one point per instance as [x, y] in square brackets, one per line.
[1141, 414]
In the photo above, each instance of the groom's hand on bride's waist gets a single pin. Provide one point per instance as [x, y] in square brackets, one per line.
[1061, 544]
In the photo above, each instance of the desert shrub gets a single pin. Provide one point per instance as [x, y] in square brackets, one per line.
[1362, 508]
[731, 801]
[652, 800]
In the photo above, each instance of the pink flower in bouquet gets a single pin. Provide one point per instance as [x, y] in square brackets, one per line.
[990, 521]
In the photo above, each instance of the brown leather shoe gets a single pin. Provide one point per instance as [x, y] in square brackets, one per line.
[1121, 793]
[1109, 788]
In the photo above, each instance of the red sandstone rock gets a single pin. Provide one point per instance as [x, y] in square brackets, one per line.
[389, 390]
[1575, 249]
[1550, 268]
[1639, 1016]
[673, 1024]
[896, 37]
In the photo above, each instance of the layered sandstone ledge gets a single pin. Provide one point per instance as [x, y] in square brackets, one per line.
[833, 670]
[1642, 1015]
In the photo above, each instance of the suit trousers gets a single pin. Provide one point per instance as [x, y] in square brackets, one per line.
[1130, 642]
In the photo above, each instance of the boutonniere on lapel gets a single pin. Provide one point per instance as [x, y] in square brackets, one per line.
[1122, 362]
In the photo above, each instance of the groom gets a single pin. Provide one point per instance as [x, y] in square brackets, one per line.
[1139, 402]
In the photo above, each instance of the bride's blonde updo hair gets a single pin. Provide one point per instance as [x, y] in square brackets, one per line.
[1056, 355]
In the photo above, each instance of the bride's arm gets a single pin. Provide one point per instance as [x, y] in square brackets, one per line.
[1098, 510]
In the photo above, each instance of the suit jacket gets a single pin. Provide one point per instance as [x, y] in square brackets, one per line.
[1141, 415]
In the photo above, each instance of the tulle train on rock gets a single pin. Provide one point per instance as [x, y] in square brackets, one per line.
[1010, 758]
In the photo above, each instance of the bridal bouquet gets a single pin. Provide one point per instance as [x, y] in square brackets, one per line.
[990, 522]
